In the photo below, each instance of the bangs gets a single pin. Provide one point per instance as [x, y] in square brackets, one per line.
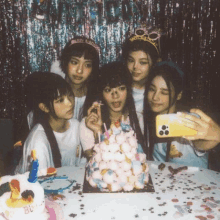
[62, 92]
[53, 87]
[82, 49]
[114, 81]
[114, 74]
[141, 45]
[61, 88]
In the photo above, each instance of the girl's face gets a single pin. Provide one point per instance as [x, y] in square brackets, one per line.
[79, 69]
[139, 64]
[158, 96]
[64, 106]
[115, 98]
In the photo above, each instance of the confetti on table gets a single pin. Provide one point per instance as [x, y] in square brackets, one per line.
[73, 215]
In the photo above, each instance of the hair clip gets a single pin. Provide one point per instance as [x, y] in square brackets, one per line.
[86, 41]
[146, 35]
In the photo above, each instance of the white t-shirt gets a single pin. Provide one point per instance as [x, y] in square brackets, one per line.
[138, 95]
[37, 139]
[182, 152]
[78, 108]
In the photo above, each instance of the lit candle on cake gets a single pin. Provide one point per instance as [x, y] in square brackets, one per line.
[34, 168]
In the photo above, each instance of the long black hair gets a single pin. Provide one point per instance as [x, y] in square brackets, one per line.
[174, 77]
[45, 87]
[89, 49]
[115, 74]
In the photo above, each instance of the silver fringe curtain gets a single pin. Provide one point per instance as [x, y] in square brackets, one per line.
[33, 33]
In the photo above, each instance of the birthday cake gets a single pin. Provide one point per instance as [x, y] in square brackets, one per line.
[118, 163]
[23, 200]
[22, 196]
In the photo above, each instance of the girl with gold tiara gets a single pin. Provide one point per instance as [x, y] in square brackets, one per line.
[140, 53]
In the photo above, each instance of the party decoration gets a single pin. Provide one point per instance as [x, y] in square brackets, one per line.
[126, 10]
[112, 9]
[147, 35]
[60, 183]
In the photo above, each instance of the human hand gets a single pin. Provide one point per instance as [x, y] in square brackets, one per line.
[206, 128]
[94, 120]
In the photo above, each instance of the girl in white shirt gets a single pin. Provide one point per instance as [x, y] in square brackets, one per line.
[79, 65]
[164, 90]
[55, 133]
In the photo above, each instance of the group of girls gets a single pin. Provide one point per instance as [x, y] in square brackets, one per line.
[67, 115]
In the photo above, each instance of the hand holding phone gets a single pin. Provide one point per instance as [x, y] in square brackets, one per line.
[171, 125]
[207, 128]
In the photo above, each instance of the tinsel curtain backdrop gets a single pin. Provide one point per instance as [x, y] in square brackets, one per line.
[34, 32]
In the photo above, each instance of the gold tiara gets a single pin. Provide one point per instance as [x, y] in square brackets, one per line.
[85, 41]
[148, 36]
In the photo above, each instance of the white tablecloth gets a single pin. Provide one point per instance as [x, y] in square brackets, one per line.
[191, 187]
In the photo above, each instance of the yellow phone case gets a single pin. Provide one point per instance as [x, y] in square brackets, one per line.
[169, 125]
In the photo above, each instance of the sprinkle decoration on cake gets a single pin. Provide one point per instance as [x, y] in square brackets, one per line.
[22, 196]
[118, 163]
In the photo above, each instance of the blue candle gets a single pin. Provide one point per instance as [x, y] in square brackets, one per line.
[33, 172]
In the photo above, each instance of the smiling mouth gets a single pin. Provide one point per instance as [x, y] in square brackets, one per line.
[77, 77]
[135, 74]
[155, 104]
[70, 111]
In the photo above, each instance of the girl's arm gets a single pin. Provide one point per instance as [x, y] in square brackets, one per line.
[94, 120]
[86, 135]
[203, 145]
[90, 127]
[208, 135]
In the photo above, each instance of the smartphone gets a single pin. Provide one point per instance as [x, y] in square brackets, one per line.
[169, 125]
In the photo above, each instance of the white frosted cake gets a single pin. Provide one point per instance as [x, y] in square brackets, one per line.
[24, 201]
[118, 163]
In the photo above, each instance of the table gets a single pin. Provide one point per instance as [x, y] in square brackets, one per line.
[195, 190]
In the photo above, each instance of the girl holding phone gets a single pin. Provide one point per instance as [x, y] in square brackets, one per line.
[164, 90]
